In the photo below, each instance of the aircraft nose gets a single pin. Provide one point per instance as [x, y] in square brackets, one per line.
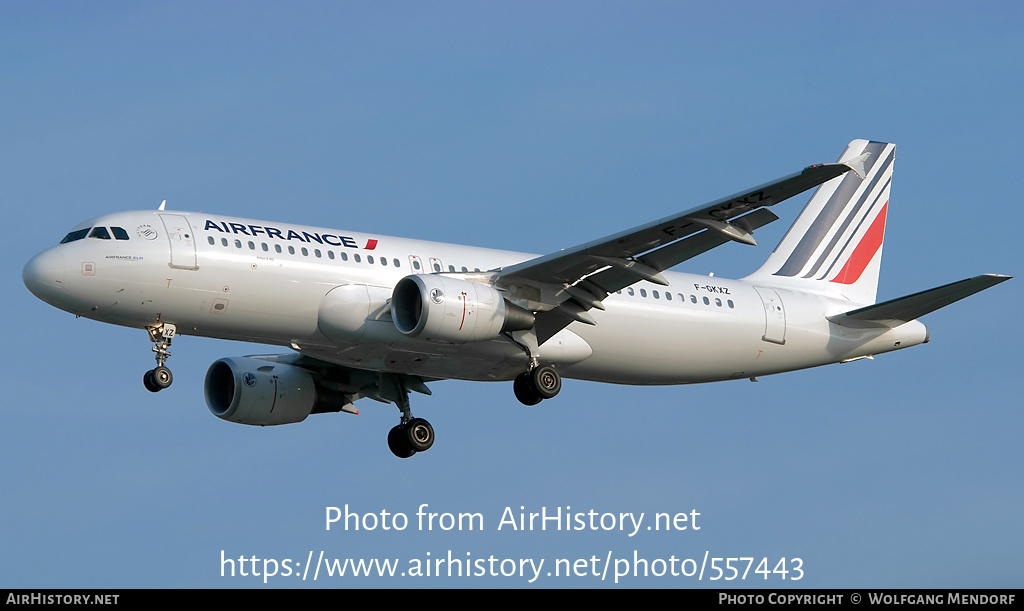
[44, 273]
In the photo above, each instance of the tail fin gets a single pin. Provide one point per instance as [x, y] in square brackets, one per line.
[835, 245]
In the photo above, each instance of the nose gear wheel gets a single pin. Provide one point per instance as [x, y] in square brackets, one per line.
[160, 377]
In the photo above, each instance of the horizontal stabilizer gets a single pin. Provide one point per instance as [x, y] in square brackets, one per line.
[895, 312]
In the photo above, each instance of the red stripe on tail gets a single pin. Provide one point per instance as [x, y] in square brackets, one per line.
[864, 252]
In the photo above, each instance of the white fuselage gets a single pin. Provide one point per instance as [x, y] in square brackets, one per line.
[325, 293]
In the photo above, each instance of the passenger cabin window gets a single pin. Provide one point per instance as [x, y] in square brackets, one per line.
[100, 233]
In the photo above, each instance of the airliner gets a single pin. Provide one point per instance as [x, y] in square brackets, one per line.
[369, 315]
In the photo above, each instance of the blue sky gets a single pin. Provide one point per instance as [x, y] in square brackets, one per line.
[533, 127]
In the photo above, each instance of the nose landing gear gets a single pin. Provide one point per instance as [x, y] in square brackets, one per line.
[157, 379]
[160, 377]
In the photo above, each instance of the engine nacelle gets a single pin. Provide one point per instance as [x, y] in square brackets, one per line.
[254, 391]
[444, 309]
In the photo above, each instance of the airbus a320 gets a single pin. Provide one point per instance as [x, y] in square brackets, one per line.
[368, 315]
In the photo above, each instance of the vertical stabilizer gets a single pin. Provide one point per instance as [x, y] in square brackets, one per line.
[835, 245]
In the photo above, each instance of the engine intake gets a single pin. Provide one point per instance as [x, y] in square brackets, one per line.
[444, 309]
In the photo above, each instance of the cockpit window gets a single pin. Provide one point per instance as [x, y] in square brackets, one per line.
[75, 235]
[100, 233]
[119, 233]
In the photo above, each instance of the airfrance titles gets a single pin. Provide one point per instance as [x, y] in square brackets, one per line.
[329, 239]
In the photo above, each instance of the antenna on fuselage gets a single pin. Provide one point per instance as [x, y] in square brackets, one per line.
[162, 204]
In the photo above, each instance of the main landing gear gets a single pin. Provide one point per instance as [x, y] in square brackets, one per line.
[538, 382]
[410, 435]
[533, 386]
[160, 378]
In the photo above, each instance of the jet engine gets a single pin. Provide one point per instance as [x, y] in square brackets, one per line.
[445, 309]
[254, 391]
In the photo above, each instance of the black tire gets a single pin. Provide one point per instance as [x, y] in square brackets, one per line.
[420, 434]
[149, 382]
[398, 441]
[546, 381]
[524, 390]
[162, 377]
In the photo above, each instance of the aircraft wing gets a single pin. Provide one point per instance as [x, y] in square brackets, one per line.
[562, 286]
[348, 384]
